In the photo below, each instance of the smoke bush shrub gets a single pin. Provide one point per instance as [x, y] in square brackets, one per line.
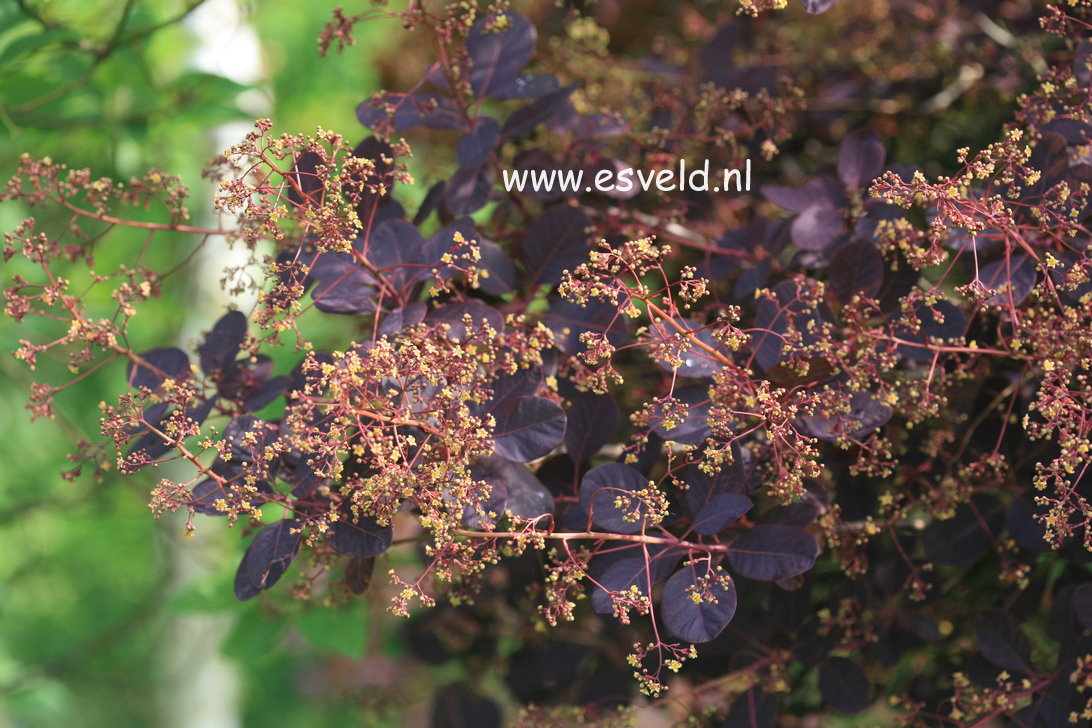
[831, 431]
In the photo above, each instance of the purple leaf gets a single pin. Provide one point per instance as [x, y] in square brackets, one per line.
[967, 536]
[696, 361]
[818, 226]
[866, 414]
[695, 427]
[1013, 277]
[495, 262]
[602, 486]
[443, 242]
[304, 177]
[524, 383]
[698, 602]
[1082, 604]
[159, 364]
[860, 158]
[498, 48]
[843, 685]
[266, 394]
[358, 574]
[527, 86]
[1082, 62]
[371, 205]
[702, 487]
[268, 557]
[856, 269]
[941, 321]
[525, 495]
[398, 112]
[722, 510]
[617, 571]
[402, 318]
[474, 147]
[568, 320]
[431, 203]
[395, 249]
[468, 189]
[1002, 641]
[360, 538]
[771, 552]
[817, 190]
[528, 428]
[222, 344]
[592, 421]
[554, 243]
[526, 118]
[452, 314]
[343, 286]
[752, 709]
[772, 321]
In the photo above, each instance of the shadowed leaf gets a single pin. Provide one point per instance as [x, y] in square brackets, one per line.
[752, 709]
[861, 155]
[856, 269]
[592, 421]
[541, 109]
[1002, 641]
[1082, 604]
[844, 685]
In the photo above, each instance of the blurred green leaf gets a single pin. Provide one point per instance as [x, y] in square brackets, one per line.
[254, 635]
[343, 631]
[31, 43]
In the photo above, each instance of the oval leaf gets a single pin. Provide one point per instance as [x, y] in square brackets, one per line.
[856, 269]
[844, 685]
[159, 364]
[528, 428]
[860, 158]
[223, 342]
[698, 602]
[617, 571]
[772, 552]
[498, 48]
[753, 709]
[722, 510]
[554, 243]
[476, 145]
[1002, 641]
[602, 486]
[468, 189]
[592, 421]
[268, 557]
[360, 538]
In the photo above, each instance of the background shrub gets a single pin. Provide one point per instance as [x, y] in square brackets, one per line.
[814, 446]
